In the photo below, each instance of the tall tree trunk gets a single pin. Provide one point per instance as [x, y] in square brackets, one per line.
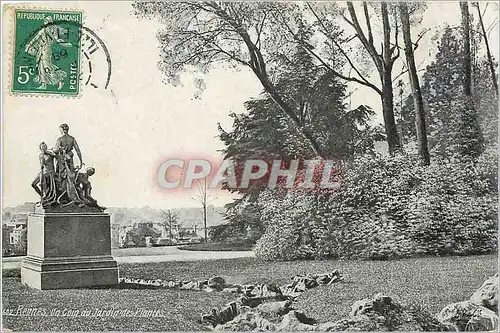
[488, 51]
[471, 140]
[384, 64]
[205, 221]
[387, 98]
[386, 78]
[420, 124]
[464, 8]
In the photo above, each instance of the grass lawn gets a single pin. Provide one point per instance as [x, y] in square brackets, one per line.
[215, 247]
[430, 282]
[142, 251]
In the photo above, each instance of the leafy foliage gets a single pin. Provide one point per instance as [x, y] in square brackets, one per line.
[486, 102]
[200, 35]
[456, 123]
[389, 207]
[320, 97]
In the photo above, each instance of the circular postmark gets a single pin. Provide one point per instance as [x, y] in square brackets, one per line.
[95, 53]
[61, 56]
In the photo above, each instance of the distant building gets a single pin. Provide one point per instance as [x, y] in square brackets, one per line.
[15, 223]
[12, 230]
[179, 231]
[7, 246]
[15, 234]
[12, 237]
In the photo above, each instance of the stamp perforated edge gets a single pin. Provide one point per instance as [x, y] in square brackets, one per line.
[9, 12]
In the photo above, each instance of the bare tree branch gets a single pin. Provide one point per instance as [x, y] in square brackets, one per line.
[492, 25]
[347, 20]
[259, 30]
[310, 49]
[404, 72]
[346, 56]
[334, 72]
[258, 66]
[419, 37]
[369, 47]
[368, 23]
[396, 41]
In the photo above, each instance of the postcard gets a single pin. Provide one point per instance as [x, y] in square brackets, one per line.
[249, 166]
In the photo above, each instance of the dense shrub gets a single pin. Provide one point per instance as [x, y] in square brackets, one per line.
[455, 209]
[388, 207]
[287, 235]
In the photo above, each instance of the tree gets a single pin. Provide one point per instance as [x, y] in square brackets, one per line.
[487, 44]
[420, 123]
[453, 123]
[443, 94]
[200, 34]
[243, 222]
[486, 102]
[471, 143]
[170, 220]
[257, 134]
[203, 198]
[383, 60]
[321, 98]
[384, 63]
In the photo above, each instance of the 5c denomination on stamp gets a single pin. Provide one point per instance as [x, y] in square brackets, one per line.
[47, 52]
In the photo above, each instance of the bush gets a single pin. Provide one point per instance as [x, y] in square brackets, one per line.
[287, 235]
[455, 210]
[388, 207]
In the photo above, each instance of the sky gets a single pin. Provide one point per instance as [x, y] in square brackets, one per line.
[127, 130]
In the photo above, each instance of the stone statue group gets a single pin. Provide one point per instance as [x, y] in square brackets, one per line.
[62, 184]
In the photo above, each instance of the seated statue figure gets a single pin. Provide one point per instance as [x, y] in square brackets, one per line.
[84, 187]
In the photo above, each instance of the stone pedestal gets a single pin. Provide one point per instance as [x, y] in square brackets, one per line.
[69, 250]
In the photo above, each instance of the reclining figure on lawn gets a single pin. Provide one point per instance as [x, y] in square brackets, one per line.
[62, 184]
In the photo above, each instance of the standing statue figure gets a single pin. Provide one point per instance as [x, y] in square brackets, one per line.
[65, 169]
[40, 46]
[47, 176]
[64, 146]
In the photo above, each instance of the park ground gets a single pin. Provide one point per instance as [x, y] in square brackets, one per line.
[431, 282]
[157, 254]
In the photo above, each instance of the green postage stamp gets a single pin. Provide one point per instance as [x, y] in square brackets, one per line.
[46, 56]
